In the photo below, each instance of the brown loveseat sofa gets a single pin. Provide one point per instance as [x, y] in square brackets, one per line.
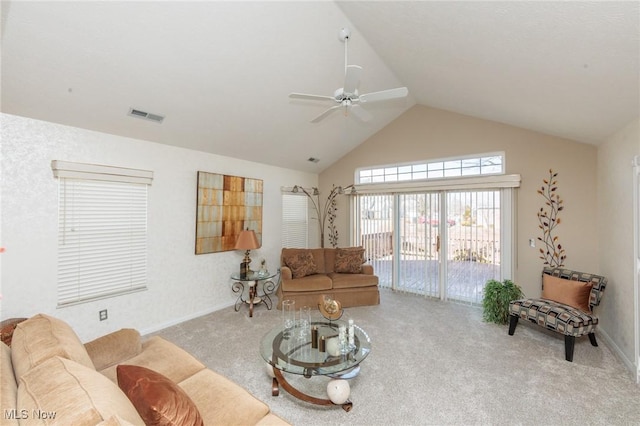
[50, 377]
[307, 274]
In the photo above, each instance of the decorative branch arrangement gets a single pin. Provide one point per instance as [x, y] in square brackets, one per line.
[328, 212]
[553, 254]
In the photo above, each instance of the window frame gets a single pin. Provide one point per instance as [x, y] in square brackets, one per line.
[286, 225]
[432, 169]
[102, 231]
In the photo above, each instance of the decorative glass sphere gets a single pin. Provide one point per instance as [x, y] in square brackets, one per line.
[338, 391]
[333, 346]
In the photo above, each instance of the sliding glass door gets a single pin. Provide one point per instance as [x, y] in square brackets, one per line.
[419, 235]
[443, 244]
[472, 243]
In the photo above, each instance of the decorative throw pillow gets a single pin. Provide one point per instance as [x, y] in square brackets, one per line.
[158, 400]
[301, 264]
[570, 292]
[349, 261]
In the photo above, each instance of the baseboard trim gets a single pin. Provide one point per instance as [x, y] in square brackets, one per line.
[633, 369]
[176, 321]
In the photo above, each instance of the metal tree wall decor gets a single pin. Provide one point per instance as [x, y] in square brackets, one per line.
[548, 217]
[327, 213]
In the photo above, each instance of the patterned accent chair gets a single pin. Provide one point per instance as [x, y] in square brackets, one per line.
[565, 319]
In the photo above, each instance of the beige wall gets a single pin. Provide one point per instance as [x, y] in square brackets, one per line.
[615, 235]
[425, 133]
[180, 284]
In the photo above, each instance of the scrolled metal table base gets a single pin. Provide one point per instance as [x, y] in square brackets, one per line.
[279, 380]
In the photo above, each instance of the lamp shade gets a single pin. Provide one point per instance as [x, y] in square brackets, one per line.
[247, 240]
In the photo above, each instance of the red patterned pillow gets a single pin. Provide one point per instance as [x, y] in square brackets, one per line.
[301, 264]
[157, 399]
[349, 261]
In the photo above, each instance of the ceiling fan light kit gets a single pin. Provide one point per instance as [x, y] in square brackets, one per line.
[347, 97]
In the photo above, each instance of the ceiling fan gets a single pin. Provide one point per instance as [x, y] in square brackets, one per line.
[347, 97]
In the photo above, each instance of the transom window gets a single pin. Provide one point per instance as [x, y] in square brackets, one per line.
[476, 165]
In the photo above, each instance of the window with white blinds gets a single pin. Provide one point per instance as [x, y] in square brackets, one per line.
[295, 221]
[102, 231]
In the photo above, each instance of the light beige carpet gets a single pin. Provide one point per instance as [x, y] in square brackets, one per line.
[432, 362]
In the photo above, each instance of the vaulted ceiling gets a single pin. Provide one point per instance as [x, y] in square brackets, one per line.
[221, 72]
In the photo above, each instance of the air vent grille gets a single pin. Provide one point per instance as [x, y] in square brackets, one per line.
[145, 115]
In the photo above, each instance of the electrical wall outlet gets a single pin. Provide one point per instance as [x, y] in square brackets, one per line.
[532, 242]
[103, 315]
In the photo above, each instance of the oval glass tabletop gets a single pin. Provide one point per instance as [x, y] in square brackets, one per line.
[292, 352]
[254, 276]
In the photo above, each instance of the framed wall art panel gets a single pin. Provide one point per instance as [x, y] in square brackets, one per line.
[226, 205]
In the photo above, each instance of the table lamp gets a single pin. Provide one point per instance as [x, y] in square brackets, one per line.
[248, 241]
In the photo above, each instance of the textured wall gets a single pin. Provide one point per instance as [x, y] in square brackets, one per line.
[425, 133]
[615, 235]
[180, 284]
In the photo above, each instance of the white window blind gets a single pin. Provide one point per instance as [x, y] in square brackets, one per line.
[295, 221]
[102, 232]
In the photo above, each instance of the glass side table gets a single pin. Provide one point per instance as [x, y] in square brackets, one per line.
[261, 287]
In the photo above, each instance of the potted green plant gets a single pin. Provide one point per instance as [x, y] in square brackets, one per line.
[497, 296]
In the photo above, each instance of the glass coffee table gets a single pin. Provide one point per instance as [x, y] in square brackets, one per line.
[292, 352]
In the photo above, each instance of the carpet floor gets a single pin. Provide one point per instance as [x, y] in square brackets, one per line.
[431, 362]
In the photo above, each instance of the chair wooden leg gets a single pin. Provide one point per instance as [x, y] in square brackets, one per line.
[592, 339]
[513, 322]
[569, 343]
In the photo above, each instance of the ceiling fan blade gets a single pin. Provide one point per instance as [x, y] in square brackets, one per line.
[326, 113]
[361, 113]
[352, 78]
[311, 97]
[384, 95]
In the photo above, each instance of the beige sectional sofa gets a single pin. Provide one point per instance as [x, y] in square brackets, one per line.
[308, 274]
[49, 377]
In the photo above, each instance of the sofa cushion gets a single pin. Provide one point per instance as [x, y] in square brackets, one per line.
[221, 401]
[349, 261]
[9, 387]
[310, 283]
[115, 420]
[554, 316]
[76, 394]
[569, 292]
[353, 280]
[317, 253]
[114, 348]
[330, 257]
[271, 420]
[301, 264]
[42, 337]
[164, 357]
[157, 399]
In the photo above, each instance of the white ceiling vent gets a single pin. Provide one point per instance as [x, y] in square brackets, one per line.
[146, 115]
